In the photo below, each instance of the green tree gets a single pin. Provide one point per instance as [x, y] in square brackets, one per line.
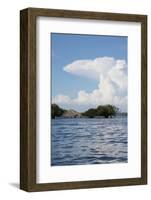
[100, 110]
[105, 110]
[90, 113]
[56, 111]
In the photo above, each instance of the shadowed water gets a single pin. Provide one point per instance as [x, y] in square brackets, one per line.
[88, 141]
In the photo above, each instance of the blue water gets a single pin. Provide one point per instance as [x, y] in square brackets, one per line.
[88, 141]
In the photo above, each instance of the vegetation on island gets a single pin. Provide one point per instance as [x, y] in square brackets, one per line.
[105, 110]
[56, 111]
[101, 111]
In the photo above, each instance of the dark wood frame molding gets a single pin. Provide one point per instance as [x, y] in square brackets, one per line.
[28, 98]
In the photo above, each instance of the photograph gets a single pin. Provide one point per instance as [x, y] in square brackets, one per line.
[88, 103]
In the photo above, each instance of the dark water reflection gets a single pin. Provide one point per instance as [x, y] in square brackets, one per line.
[88, 141]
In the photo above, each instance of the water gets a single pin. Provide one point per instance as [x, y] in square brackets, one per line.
[88, 141]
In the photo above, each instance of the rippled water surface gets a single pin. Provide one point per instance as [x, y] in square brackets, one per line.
[88, 141]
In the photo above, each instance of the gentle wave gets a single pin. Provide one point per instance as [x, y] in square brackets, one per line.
[88, 141]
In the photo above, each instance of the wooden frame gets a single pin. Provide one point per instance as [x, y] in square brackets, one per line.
[28, 98]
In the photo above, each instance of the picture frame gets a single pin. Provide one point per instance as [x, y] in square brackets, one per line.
[28, 98]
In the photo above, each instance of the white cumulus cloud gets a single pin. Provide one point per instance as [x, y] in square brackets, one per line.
[61, 99]
[112, 83]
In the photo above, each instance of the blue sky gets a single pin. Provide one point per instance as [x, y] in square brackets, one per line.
[68, 48]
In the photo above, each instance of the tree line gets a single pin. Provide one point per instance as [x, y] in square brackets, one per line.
[102, 110]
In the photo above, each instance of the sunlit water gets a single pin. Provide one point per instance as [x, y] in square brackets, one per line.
[88, 141]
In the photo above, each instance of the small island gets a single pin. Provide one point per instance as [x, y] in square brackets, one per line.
[105, 111]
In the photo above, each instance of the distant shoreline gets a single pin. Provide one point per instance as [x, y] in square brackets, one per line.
[101, 117]
[102, 111]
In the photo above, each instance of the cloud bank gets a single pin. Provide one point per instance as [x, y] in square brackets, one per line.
[111, 75]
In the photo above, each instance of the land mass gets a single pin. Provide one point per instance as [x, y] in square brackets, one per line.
[101, 111]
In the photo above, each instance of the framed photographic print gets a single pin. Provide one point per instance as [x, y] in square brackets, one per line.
[83, 99]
